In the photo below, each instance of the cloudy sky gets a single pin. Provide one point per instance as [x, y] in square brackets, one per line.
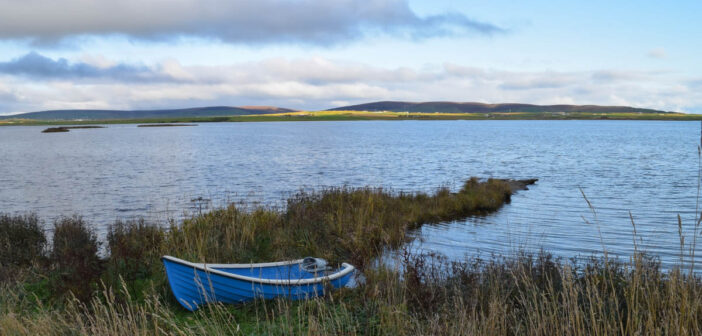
[144, 54]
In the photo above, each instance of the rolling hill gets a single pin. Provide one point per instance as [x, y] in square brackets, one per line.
[388, 106]
[453, 107]
[211, 111]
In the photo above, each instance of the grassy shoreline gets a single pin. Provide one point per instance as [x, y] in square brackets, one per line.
[67, 289]
[358, 115]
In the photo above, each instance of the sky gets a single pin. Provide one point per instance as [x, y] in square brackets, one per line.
[304, 54]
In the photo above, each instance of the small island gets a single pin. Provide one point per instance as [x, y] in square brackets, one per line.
[61, 129]
[55, 130]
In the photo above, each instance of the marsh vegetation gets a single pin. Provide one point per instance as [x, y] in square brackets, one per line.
[66, 288]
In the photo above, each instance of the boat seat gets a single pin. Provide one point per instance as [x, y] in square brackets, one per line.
[314, 265]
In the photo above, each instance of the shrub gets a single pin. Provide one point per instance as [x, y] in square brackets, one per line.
[22, 240]
[77, 266]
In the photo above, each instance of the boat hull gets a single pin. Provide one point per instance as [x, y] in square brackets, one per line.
[194, 285]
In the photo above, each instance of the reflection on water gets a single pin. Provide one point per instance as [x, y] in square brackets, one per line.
[648, 168]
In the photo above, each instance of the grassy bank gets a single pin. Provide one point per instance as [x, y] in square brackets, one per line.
[360, 115]
[66, 288]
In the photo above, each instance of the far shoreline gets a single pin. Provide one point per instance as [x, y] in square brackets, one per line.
[361, 115]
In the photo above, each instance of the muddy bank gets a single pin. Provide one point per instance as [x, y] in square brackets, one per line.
[517, 185]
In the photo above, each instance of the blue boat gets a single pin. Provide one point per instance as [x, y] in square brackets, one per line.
[195, 284]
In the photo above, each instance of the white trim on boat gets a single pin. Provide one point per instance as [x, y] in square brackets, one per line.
[270, 264]
[210, 268]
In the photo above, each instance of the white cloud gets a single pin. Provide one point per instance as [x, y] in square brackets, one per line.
[317, 83]
[234, 21]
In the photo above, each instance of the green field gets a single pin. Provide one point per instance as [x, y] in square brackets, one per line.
[357, 115]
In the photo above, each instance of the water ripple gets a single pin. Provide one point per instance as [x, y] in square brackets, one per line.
[648, 168]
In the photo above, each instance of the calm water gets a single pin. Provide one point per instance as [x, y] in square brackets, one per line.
[648, 168]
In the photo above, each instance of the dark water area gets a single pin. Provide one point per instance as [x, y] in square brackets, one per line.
[648, 168]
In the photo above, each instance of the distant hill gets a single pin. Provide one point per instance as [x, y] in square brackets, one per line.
[452, 107]
[392, 106]
[212, 111]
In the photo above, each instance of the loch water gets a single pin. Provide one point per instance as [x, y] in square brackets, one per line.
[648, 169]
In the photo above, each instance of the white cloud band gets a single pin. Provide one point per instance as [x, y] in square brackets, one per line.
[234, 21]
[40, 83]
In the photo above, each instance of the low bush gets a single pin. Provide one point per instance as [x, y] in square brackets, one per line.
[22, 240]
[76, 265]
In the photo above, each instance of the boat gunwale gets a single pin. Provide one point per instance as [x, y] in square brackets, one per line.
[210, 268]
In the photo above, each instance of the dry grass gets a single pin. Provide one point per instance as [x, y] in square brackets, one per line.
[531, 295]
[516, 295]
[339, 224]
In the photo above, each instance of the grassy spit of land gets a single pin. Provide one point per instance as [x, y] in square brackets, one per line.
[166, 125]
[67, 289]
[361, 115]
